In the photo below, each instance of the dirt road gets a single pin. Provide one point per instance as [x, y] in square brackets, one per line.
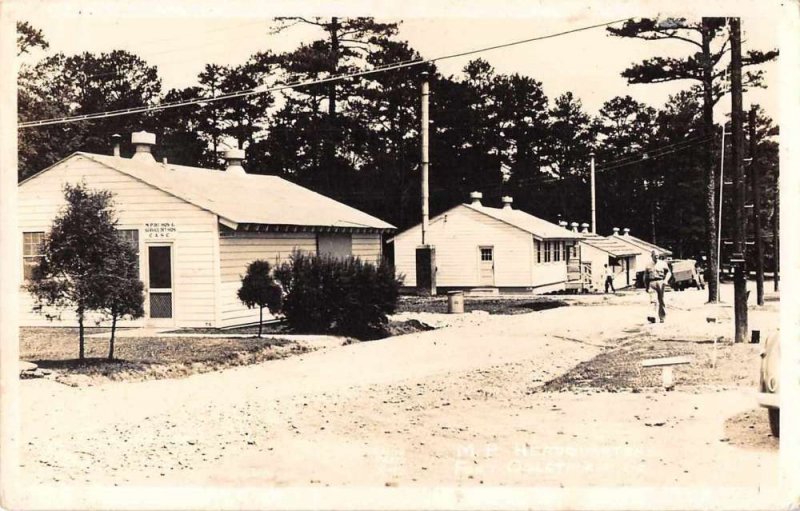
[447, 407]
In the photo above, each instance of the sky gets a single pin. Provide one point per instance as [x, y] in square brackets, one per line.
[587, 63]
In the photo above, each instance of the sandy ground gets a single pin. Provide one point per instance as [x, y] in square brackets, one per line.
[445, 407]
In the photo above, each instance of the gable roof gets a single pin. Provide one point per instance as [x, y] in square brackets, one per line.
[514, 217]
[608, 244]
[641, 244]
[525, 221]
[242, 198]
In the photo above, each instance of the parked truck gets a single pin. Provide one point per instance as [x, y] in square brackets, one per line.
[685, 275]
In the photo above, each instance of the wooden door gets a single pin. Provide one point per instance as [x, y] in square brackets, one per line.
[486, 266]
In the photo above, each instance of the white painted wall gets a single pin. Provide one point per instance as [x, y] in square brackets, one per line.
[136, 203]
[642, 258]
[548, 276]
[237, 252]
[458, 235]
[368, 247]
[598, 258]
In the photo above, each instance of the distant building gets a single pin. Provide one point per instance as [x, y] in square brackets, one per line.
[196, 229]
[481, 248]
[643, 248]
[597, 251]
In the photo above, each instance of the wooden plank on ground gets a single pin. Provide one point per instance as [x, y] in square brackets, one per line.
[668, 361]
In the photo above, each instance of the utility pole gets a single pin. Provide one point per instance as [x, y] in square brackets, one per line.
[594, 203]
[425, 253]
[776, 241]
[719, 220]
[739, 260]
[755, 183]
[712, 241]
[425, 161]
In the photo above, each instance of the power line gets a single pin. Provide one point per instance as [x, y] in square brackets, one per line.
[541, 178]
[653, 157]
[264, 90]
[660, 152]
[638, 156]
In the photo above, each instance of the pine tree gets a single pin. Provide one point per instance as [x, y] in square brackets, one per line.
[710, 44]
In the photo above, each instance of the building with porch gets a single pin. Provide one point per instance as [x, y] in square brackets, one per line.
[643, 248]
[596, 251]
[195, 229]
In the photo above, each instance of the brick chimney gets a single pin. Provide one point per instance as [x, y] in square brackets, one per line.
[142, 142]
[476, 198]
[507, 202]
[233, 158]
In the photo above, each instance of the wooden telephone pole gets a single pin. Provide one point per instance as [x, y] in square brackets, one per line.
[425, 253]
[424, 155]
[738, 259]
[755, 184]
[594, 199]
[776, 243]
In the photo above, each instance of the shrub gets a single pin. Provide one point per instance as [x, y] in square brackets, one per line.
[332, 295]
[260, 290]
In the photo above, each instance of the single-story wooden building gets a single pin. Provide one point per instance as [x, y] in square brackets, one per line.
[643, 248]
[596, 251]
[196, 229]
[484, 248]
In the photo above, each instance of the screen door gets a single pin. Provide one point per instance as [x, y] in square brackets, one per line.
[159, 259]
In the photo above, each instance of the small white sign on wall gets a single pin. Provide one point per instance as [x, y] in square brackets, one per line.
[160, 231]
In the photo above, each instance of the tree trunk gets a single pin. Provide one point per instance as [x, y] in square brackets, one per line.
[113, 332]
[740, 275]
[80, 335]
[710, 178]
[260, 320]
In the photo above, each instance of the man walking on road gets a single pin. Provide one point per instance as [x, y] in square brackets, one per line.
[657, 275]
[609, 279]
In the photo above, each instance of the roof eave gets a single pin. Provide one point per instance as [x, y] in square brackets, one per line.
[59, 162]
[227, 222]
[255, 227]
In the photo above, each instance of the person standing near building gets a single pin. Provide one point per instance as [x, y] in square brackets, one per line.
[656, 277]
[609, 273]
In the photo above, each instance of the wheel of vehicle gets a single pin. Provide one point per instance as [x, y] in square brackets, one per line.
[774, 421]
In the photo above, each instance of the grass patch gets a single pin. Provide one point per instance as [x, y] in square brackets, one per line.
[438, 304]
[392, 329]
[142, 358]
[620, 368]
[268, 329]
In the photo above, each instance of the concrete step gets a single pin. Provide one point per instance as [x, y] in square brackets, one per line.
[483, 291]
